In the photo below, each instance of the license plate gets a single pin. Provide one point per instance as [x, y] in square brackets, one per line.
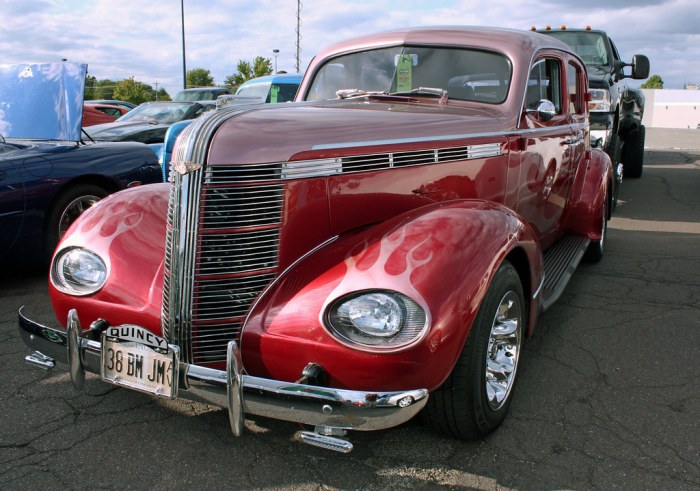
[137, 366]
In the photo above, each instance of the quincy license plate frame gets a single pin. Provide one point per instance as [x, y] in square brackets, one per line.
[135, 358]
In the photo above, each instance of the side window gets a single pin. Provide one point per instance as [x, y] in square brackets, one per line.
[573, 81]
[544, 82]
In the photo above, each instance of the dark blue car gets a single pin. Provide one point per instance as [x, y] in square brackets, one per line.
[48, 174]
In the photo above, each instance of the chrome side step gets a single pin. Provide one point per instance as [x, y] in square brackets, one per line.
[560, 262]
[323, 437]
[39, 359]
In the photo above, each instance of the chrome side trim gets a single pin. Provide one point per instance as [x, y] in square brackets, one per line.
[460, 136]
[299, 403]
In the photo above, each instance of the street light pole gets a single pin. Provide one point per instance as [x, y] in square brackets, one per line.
[276, 52]
[184, 66]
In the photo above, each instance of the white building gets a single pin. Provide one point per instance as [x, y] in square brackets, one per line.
[669, 108]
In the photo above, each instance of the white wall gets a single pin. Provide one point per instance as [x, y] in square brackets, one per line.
[669, 108]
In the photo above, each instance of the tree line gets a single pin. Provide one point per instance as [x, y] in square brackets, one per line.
[137, 92]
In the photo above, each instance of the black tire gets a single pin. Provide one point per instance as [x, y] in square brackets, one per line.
[614, 150]
[70, 204]
[460, 408]
[596, 248]
[633, 153]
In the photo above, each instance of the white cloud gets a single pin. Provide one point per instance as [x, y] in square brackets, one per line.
[143, 39]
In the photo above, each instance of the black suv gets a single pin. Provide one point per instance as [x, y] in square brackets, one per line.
[616, 109]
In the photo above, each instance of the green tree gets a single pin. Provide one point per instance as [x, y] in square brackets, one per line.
[262, 66]
[132, 91]
[245, 71]
[199, 77]
[99, 89]
[161, 95]
[654, 82]
[90, 83]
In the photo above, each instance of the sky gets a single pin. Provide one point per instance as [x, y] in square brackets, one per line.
[119, 39]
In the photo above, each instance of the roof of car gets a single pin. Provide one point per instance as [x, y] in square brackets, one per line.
[501, 39]
[278, 78]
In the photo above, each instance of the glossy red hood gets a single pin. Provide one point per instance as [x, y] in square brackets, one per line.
[278, 133]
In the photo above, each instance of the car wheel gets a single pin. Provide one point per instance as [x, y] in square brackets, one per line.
[614, 150]
[68, 206]
[633, 153]
[594, 252]
[474, 399]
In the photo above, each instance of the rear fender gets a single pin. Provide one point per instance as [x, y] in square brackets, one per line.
[442, 256]
[127, 230]
[590, 196]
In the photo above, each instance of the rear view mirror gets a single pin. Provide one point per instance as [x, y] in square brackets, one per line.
[640, 67]
[545, 110]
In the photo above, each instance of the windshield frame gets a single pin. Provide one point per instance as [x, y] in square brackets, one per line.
[412, 70]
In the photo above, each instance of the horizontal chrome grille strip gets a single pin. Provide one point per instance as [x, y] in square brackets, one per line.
[226, 174]
[234, 207]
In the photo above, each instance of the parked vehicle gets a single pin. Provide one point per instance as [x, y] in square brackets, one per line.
[149, 121]
[272, 88]
[48, 175]
[616, 108]
[201, 94]
[101, 113]
[347, 264]
[112, 102]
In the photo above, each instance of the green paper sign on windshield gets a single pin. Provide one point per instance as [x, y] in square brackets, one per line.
[274, 91]
[404, 73]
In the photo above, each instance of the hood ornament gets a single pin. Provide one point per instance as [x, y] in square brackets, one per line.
[186, 167]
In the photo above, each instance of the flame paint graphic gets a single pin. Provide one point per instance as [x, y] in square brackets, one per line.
[378, 269]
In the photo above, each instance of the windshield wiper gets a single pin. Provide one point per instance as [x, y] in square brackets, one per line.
[348, 93]
[423, 91]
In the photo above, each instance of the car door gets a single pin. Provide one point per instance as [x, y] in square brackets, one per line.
[547, 165]
[13, 200]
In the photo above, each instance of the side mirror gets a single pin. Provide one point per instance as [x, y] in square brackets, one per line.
[640, 67]
[545, 110]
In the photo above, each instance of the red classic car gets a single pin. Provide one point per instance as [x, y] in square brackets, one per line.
[377, 249]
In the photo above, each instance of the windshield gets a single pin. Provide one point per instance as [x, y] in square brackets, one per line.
[162, 112]
[199, 95]
[267, 92]
[590, 46]
[466, 74]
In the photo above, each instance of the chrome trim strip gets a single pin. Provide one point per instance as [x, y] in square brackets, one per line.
[539, 288]
[299, 403]
[399, 141]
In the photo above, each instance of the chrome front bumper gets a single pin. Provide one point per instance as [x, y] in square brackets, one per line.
[324, 407]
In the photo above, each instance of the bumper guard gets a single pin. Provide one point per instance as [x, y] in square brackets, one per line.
[326, 408]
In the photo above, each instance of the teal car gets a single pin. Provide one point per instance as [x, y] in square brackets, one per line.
[272, 88]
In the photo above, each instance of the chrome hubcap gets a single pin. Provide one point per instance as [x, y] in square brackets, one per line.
[74, 209]
[503, 350]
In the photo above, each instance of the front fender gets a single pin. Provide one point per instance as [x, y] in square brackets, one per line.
[442, 256]
[127, 230]
[590, 196]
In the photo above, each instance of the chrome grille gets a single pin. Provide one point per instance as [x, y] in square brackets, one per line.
[236, 253]
[232, 207]
[232, 297]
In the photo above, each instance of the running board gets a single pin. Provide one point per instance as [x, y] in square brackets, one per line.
[560, 262]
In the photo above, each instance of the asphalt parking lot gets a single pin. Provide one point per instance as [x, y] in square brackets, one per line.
[608, 396]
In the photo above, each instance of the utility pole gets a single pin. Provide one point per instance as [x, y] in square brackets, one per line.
[276, 52]
[184, 66]
[298, 34]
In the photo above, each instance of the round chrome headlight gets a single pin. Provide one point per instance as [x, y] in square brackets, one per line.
[382, 319]
[77, 271]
